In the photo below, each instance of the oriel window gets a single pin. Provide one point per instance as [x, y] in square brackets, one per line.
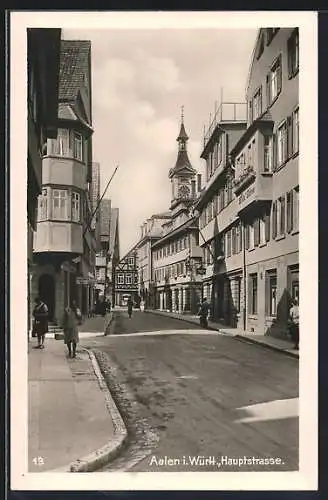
[78, 146]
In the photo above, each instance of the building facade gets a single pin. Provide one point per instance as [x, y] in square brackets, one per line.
[114, 253]
[43, 56]
[64, 247]
[126, 279]
[176, 256]
[258, 265]
[150, 231]
[102, 255]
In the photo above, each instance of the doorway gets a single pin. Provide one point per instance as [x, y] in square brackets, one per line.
[47, 293]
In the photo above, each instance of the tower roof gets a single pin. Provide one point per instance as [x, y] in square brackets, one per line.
[183, 134]
[74, 61]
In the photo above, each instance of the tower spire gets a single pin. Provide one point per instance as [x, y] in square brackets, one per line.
[182, 110]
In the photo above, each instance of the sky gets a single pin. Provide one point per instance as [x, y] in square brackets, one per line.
[140, 80]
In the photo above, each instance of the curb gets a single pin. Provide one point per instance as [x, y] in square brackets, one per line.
[287, 352]
[105, 454]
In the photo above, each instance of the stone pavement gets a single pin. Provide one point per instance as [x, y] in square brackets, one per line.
[277, 344]
[68, 418]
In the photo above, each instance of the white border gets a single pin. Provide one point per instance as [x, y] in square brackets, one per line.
[306, 478]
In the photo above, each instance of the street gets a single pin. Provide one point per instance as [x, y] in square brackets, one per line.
[182, 393]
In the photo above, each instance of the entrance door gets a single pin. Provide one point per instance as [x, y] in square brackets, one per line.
[47, 293]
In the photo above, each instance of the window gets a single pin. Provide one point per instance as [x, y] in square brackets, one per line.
[60, 204]
[282, 144]
[43, 205]
[256, 232]
[293, 54]
[129, 279]
[262, 231]
[131, 261]
[237, 297]
[251, 236]
[295, 131]
[281, 215]
[239, 241]
[229, 190]
[274, 81]
[289, 198]
[268, 153]
[257, 104]
[234, 241]
[229, 243]
[60, 146]
[296, 209]
[271, 281]
[120, 279]
[75, 207]
[253, 294]
[270, 34]
[78, 146]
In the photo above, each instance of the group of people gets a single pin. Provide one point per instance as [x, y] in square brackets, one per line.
[71, 318]
[293, 319]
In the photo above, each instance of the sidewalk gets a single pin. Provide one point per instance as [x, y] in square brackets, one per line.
[68, 418]
[267, 341]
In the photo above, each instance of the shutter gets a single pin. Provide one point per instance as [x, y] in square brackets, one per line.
[279, 75]
[289, 136]
[247, 237]
[274, 220]
[233, 240]
[256, 232]
[267, 226]
[274, 152]
[289, 211]
[289, 52]
[268, 96]
[283, 214]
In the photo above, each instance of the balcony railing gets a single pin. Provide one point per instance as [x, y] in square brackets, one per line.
[227, 112]
[244, 179]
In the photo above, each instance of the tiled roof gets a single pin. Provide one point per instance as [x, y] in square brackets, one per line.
[172, 234]
[74, 61]
[67, 112]
[183, 133]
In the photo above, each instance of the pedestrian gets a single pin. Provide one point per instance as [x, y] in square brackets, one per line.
[203, 313]
[294, 323]
[130, 306]
[71, 318]
[40, 322]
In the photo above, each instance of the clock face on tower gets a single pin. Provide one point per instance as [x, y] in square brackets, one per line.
[184, 191]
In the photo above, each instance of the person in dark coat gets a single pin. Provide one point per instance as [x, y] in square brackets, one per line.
[130, 306]
[71, 318]
[203, 313]
[40, 323]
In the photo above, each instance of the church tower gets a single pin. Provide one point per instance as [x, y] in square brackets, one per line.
[182, 175]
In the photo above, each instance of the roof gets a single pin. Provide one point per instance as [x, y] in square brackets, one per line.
[186, 225]
[66, 111]
[183, 134]
[182, 163]
[74, 64]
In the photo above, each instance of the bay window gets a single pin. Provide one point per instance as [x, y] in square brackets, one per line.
[60, 146]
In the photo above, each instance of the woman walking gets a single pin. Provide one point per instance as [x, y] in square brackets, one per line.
[130, 306]
[40, 324]
[72, 316]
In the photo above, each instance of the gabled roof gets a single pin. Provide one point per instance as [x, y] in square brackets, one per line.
[74, 63]
[66, 111]
[189, 224]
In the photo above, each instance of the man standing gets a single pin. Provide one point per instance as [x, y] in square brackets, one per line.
[130, 306]
[203, 313]
[40, 325]
[294, 326]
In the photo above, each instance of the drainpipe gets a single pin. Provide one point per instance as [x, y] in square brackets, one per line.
[244, 274]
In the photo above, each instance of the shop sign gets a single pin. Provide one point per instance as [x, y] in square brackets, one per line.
[244, 196]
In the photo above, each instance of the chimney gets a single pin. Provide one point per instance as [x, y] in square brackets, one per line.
[199, 182]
